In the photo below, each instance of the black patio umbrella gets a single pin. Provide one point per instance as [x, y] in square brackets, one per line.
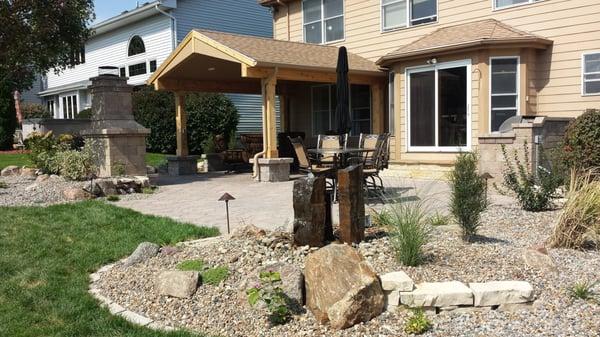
[342, 110]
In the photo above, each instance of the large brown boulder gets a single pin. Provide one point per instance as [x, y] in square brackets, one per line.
[76, 194]
[341, 287]
[10, 171]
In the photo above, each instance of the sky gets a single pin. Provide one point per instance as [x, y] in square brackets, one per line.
[109, 8]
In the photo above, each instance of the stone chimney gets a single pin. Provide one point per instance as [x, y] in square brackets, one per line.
[120, 141]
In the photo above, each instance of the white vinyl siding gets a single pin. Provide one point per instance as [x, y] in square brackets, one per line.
[504, 92]
[110, 49]
[323, 21]
[591, 74]
[404, 13]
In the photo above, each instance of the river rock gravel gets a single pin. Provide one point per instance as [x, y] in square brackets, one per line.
[496, 255]
[29, 191]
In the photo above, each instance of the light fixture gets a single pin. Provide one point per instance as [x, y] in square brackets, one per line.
[432, 60]
[211, 69]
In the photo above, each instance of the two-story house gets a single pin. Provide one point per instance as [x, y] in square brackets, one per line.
[442, 76]
[139, 40]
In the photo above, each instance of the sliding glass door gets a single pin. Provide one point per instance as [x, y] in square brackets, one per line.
[438, 107]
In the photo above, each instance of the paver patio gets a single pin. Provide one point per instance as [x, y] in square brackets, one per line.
[267, 205]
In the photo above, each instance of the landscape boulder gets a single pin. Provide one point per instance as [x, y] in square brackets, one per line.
[538, 258]
[247, 232]
[10, 171]
[42, 178]
[438, 294]
[310, 212]
[29, 172]
[341, 287]
[144, 251]
[76, 194]
[105, 187]
[180, 284]
[501, 292]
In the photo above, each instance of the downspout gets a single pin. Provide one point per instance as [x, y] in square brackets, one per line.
[173, 24]
[287, 17]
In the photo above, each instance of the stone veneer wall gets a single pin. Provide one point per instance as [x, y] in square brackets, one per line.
[551, 131]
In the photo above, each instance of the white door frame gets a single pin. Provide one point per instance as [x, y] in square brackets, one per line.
[435, 67]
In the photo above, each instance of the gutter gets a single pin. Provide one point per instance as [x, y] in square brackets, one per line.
[173, 24]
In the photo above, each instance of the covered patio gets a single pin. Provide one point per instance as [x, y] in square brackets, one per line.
[299, 75]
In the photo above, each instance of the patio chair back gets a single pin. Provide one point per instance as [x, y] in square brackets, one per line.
[332, 141]
[368, 141]
[301, 153]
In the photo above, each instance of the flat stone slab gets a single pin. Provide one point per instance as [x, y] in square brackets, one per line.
[135, 318]
[501, 292]
[438, 294]
[397, 281]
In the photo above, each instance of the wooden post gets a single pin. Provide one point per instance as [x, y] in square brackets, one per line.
[283, 112]
[268, 89]
[378, 101]
[181, 121]
[352, 204]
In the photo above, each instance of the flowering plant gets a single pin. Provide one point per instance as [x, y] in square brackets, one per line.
[270, 293]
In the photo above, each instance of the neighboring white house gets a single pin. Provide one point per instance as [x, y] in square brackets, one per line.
[138, 41]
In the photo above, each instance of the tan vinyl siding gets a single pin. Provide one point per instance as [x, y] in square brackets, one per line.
[552, 82]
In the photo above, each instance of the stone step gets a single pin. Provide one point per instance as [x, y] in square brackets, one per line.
[397, 281]
[501, 292]
[438, 294]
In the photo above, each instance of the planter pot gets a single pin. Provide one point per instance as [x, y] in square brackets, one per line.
[214, 162]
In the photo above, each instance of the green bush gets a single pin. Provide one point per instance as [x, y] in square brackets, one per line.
[409, 231]
[62, 155]
[581, 148]
[534, 188]
[208, 114]
[84, 114]
[417, 323]
[468, 198]
[191, 265]
[34, 110]
[8, 117]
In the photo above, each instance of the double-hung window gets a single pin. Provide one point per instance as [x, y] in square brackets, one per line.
[591, 74]
[504, 90]
[405, 13]
[498, 4]
[323, 20]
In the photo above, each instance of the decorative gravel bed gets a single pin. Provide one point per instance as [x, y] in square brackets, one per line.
[25, 191]
[222, 310]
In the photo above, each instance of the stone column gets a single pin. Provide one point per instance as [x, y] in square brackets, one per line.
[120, 142]
[310, 214]
[352, 204]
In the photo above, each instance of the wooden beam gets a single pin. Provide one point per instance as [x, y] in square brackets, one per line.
[301, 75]
[268, 92]
[238, 87]
[181, 124]
[283, 112]
[378, 102]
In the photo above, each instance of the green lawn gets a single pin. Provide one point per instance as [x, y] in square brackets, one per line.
[48, 253]
[18, 159]
[156, 159]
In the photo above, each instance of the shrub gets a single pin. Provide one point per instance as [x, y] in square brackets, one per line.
[270, 293]
[43, 148]
[214, 276]
[84, 114]
[418, 323]
[468, 198]
[62, 155]
[382, 218]
[409, 231]
[583, 291]
[208, 114]
[34, 110]
[580, 221]
[581, 146]
[535, 188]
[74, 164]
[8, 116]
[208, 145]
[439, 219]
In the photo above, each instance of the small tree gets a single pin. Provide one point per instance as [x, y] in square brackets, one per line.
[8, 119]
[468, 198]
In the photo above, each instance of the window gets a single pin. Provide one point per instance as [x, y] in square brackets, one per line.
[122, 72]
[404, 13]
[137, 69]
[69, 106]
[438, 107]
[50, 106]
[391, 95]
[136, 46]
[509, 3]
[77, 57]
[504, 90]
[324, 102]
[152, 66]
[323, 20]
[591, 74]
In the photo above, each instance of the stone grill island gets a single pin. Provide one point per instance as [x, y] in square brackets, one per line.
[119, 141]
